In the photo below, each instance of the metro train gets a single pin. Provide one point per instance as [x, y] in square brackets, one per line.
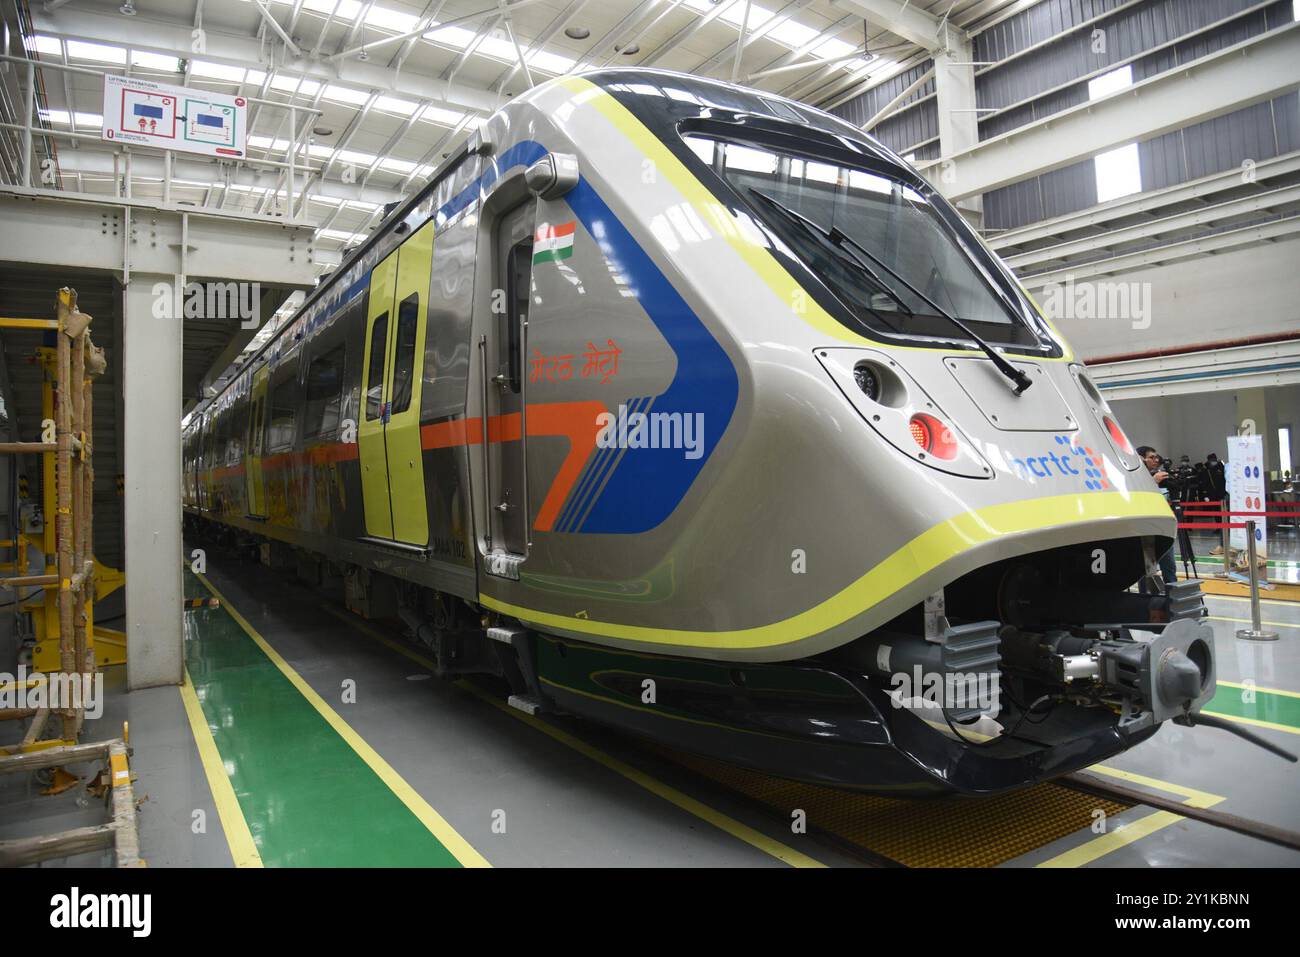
[694, 411]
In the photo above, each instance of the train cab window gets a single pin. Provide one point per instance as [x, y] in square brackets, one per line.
[519, 277]
[324, 393]
[280, 427]
[408, 319]
[375, 376]
[887, 249]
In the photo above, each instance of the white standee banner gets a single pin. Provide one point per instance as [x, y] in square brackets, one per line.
[1246, 482]
[144, 113]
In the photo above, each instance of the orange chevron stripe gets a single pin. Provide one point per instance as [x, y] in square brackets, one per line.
[575, 421]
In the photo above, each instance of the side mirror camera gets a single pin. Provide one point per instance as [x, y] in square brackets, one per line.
[553, 175]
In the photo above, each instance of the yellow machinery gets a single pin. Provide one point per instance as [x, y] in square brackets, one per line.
[107, 644]
[72, 580]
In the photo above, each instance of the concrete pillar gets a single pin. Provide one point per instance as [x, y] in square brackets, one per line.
[954, 87]
[1252, 413]
[151, 391]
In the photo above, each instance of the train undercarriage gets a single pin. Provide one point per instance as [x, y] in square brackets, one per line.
[1017, 673]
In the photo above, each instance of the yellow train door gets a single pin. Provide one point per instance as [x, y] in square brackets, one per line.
[254, 444]
[392, 470]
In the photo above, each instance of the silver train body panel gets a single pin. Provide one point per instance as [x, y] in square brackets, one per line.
[792, 513]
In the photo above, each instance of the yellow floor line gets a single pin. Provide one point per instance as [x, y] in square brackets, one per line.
[243, 849]
[1233, 684]
[1132, 831]
[1193, 797]
[1121, 836]
[723, 822]
[450, 838]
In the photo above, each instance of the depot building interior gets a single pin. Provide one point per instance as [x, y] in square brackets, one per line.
[558, 433]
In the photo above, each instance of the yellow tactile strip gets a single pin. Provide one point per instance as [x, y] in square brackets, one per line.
[935, 832]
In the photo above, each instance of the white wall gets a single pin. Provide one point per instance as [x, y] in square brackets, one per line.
[1196, 425]
[1232, 295]
[1193, 425]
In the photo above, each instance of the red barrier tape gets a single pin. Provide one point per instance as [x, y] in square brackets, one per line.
[1211, 524]
[1248, 514]
[1215, 506]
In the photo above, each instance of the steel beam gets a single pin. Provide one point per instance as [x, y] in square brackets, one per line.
[1272, 231]
[196, 170]
[1208, 370]
[1145, 204]
[95, 233]
[1283, 197]
[1230, 79]
[173, 39]
[907, 20]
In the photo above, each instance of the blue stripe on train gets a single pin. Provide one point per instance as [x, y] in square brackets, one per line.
[648, 484]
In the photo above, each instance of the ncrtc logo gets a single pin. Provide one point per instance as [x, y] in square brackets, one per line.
[1056, 465]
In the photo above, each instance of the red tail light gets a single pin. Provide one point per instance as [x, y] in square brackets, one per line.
[1117, 435]
[933, 436]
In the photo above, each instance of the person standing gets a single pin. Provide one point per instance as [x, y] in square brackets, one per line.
[1168, 566]
[1218, 477]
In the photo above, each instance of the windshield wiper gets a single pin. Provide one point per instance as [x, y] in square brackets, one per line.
[1017, 376]
[839, 239]
[845, 257]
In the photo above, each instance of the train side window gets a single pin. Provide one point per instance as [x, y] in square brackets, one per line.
[280, 435]
[324, 393]
[378, 344]
[519, 274]
[408, 316]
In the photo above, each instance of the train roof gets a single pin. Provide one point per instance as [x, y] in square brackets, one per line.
[687, 93]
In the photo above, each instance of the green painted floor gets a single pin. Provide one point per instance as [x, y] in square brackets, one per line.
[1275, 708]
[308, 797]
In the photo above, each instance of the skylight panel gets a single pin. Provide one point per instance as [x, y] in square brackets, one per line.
[550, 62]
[345, 94]
[442, 116]
[155, 61]
[1119, 173]
[393, 104]
[296, 85]
[1110, 82]
[81, 50]
[217, 71]
[47, 46]
[391, 20]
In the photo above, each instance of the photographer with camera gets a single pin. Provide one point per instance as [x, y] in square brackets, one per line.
[1160, 474]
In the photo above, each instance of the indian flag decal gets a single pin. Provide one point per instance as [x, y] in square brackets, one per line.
[553, 243]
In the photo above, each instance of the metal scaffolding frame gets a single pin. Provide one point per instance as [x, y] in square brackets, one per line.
[78, 363]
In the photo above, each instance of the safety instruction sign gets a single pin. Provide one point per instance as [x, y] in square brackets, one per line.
[144, 113]
[1246, 481]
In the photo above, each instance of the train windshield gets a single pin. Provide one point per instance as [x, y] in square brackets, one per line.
[884, 251]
